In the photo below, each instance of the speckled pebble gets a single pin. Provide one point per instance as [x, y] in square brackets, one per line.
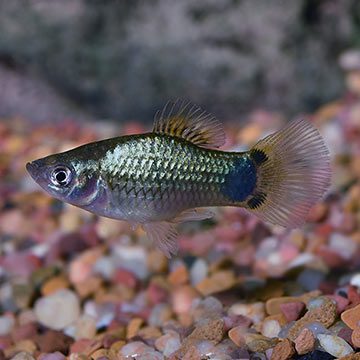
[305, 342]
[283, 350]
[355, 336]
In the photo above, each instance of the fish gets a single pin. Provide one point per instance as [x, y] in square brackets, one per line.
[173, 174]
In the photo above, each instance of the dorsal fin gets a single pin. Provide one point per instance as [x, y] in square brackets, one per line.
[190, 122]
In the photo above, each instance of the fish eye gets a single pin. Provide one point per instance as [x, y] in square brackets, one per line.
[61, 176]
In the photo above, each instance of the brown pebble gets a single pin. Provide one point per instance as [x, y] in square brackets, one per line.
[149, 332]
[236, 334]
[80, 346]
[23, 332]
[305, 342]
[106, 353]
[351, 317]
[355, 356]
[213, 332]
[25, 345]
[192, 354]
[118, 345]
[76, 356]
[219, 281]
[54, 284]
[325, 315]
[54, 340]
[88, 286]
[259, 343]
[273, 305]
[133, 327]
[355, 337]
[283, 350]
[157, 262]
[179, 276]
[278, 317]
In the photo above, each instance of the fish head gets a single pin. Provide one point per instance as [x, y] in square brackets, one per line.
[67, 177]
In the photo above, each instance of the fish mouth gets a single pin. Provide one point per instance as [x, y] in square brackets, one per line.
[33, 169]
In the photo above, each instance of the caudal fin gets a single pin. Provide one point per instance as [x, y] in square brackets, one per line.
[293, 174]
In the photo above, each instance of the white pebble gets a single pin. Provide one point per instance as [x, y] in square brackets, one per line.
[335, 345]
[85, 327]
[58, 310]
[134, 348]
[255, 311]
[6, 324]
[343, 245]
[271, 328]
[355, 280]
[105, 267]
[132, 258]
[198, 271]
[317, 329]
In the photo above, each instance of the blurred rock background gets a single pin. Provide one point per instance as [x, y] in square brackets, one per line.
[121, 60]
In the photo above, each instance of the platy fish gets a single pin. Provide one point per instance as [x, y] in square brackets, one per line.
[172, 174]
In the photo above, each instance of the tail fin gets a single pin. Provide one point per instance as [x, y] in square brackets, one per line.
[293, 173]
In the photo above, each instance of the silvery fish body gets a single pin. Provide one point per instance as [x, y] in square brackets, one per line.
[172, 174]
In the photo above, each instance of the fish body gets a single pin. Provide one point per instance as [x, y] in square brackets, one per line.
[172, 174]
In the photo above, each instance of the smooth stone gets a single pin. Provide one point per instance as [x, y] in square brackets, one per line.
[335, 345]
[160, 313]
[343, 245]
[292, 310]
[198, 271]
[310, 279]
[355, 280]
[85, 327]
[254, 311]
[54, 356]
[171, 346]
[351, 317]
[6, 324]
[23, 355]
[58, 310]
[271, 328]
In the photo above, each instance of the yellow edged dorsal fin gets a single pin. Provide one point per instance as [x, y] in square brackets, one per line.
[190, 122]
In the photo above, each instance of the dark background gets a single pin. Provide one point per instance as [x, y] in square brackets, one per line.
[121, 60]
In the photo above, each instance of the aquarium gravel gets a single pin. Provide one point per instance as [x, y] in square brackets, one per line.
[75, 286]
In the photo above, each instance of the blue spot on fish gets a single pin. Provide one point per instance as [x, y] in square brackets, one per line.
[241, 180]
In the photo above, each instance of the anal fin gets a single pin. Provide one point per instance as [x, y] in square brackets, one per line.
[163, 234]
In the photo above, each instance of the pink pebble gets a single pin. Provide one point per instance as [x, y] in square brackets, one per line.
[125, 277]
[156, 293]
[80, 345]
[5, 342]
[235, 321]
[292, 310]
